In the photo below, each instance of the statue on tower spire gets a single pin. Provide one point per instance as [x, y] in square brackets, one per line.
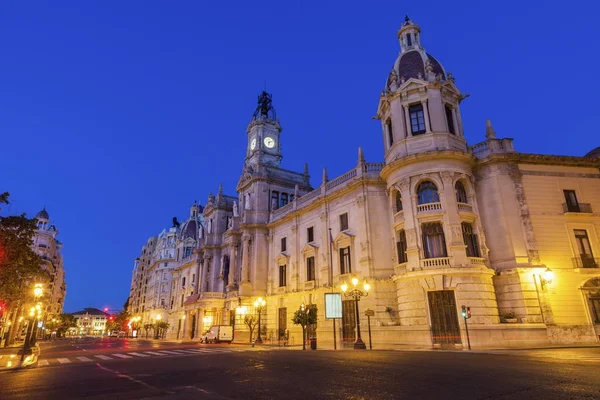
[265, 108]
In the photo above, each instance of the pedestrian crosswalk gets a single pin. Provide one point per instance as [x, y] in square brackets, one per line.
[44, 362]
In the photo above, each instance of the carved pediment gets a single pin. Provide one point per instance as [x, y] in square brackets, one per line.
[343, 239]
[309, 249]
[282, 258]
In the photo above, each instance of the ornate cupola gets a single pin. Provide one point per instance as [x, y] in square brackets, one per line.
[263, 134]
[419, 106]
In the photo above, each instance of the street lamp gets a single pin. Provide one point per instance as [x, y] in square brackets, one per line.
[355, 293]
[37, 293]
[259, 304]
[158, 318]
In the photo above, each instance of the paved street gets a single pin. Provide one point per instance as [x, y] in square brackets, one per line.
[126, 369]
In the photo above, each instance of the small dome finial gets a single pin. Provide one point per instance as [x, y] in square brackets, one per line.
[325, 177]
[361, 156]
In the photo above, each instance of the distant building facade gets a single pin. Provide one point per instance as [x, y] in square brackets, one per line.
[437, 225]
[48, 247]
[90, 321]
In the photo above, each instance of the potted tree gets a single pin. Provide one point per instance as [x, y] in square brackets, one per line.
[510, 317]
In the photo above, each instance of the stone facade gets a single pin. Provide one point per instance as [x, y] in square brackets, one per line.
[440, 224]
[48, 247]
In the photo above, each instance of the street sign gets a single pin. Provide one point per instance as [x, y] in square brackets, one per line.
[333, 305]
[370, 313]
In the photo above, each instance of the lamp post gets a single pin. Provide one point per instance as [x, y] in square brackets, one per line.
[259, 304]
[37, 293]
[158, 318]
[355, 293]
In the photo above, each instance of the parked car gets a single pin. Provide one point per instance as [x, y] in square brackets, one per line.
[218, 333]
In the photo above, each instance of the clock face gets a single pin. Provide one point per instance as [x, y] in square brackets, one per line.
[269, 142]
[252, 144]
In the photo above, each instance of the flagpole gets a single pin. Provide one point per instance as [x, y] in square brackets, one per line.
[331, 283]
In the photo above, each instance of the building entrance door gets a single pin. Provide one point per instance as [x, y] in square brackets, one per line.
[444, 318]
[282, 324]
[193, 330]
[348, 323]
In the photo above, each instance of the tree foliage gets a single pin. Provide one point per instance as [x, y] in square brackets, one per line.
[304, 319]
[251, 322]
[62, 324]
[20, 266]
[118, 322]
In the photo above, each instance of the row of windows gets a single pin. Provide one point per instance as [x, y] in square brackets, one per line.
[417, 121]
[434, 241]
[345, 267]
[280, 199]
[310, 232]
[427, 193]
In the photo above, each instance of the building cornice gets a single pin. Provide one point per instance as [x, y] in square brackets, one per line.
[427, 156]
[540, 159]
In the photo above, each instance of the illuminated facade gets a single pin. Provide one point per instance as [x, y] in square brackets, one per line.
[90, 321]
[48, 247]
[438, 225]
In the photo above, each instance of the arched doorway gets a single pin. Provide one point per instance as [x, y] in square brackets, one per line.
[591, 291]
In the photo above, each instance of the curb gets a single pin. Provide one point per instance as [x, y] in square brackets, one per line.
[14, 360]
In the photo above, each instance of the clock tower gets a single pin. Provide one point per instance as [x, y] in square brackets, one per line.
[263, 134]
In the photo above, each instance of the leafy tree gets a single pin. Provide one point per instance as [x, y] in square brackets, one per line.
[251, 322]
[20, 266]
[305, 318]
[147, 327]
[118, 322]
[62, 324]
[161, 328]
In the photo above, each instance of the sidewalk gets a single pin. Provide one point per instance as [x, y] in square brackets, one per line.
[10, 357]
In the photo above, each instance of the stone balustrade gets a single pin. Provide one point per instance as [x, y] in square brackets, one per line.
[465, 207]
[477, 260]
[439, 262]
[429, 207]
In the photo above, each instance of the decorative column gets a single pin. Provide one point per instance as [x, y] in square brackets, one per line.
[245, 287]
[426, 116]
[407, 119]
[455, 243]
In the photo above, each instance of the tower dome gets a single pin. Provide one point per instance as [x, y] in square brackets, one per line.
[42, 215]
[413, 61]
[189, 229]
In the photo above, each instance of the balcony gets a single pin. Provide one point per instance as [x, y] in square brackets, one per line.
[440, 262]
[465, 207]
[577, 208]
[477, 261]
[584, 261]
[399, 217]
[429, 207]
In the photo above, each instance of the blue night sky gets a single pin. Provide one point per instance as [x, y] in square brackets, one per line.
[118, 115]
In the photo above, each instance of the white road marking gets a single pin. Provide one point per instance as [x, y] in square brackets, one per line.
[190, 351]
[154, 353]
[120, 355]
[167, 352]
[84, 359]
[104, 357]
[43, 363]
[139, 354]
[180, 351]
[63, 360]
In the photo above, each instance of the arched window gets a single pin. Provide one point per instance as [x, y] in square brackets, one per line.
[434, 242]
[401, 247]
[427, 193]
[398, 202]
[470, 239]
[461, 193]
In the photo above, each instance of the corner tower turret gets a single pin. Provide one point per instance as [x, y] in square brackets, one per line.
[419, 107]
[263, 134]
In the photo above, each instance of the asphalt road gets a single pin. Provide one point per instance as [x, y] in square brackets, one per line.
[183, 371]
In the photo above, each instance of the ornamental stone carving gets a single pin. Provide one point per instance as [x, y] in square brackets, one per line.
[447, 177]
[456, 233]
[411, 238]
[404, 184]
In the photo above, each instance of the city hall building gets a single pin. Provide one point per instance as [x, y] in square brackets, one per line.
[437, 225]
